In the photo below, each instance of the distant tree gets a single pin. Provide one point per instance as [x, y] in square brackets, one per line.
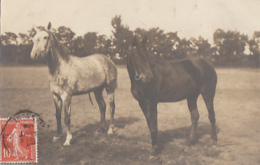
[230, 44]
[24, 39]
[202, 47]
[5, 40]
[254, 47]
[31, 33]
[90, 43]
[77, 47]
[228, 49]
[103, 45]
[161, 44]
[122, 36]
[65, 35]
[9, 38]
[171, 45]
[166, 45]
[184, 49]
[140, 33]
[156, 41]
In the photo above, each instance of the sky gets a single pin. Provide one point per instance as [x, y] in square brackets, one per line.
[190, 18]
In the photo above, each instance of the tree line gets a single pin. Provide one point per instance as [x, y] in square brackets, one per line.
[230, 48]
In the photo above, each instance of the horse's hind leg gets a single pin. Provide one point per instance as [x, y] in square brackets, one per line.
[209, 99]
[111, 101]
[102, 109]
[192, 104]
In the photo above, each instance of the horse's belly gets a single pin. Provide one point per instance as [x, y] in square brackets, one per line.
[177, 93]
[82, 87]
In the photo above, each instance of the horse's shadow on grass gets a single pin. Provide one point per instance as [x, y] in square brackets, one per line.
[168, 136]
[90, 130]
[88, 145]
[121, 122]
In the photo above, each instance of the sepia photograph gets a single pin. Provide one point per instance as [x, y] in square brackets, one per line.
[112, 82]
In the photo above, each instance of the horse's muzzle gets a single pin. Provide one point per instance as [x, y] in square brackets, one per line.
[35, 56]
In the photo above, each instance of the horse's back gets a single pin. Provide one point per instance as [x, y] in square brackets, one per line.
[205, 70]
[177, 79]
[99, 60]
[180, 79]
[93, 72]
[109, 69]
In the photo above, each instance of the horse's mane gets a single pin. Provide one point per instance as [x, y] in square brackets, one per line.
[63, 50]
[59, 51]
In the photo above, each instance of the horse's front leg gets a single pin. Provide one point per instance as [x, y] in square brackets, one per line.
[58, 105]
[66, 99]
[149, 109]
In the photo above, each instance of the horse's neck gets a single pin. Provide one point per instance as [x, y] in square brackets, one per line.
[57, 57]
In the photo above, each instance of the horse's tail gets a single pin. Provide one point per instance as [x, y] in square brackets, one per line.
[90, 99]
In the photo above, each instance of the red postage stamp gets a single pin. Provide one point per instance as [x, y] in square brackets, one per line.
[18, 140]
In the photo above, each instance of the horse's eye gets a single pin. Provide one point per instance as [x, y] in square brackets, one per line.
[45, 38]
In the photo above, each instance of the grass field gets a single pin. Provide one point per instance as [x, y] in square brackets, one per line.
[237, 110]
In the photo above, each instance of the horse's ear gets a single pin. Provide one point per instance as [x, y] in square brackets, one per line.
[135, 41]
[49, 26]
[144, 41]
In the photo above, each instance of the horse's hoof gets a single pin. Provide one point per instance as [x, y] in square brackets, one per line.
[154, 153]
[101, 130]
[68, 139]
[191, 142]
[156, 158]
[67, 143]
[156, 150]
[55, 138]
[214, 142]
[110, 131]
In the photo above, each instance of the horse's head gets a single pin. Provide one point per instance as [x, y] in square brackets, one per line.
[41, 43]
[139, 57]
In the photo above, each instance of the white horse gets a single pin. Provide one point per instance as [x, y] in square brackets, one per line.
[70, 75]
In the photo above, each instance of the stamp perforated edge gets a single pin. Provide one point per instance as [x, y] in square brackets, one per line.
[36, 142]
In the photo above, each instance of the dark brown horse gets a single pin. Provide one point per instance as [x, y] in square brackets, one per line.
[157, 80]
